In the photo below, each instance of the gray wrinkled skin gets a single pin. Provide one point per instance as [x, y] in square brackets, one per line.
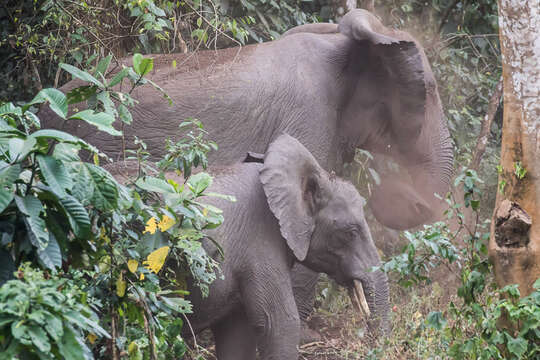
[334, 88]
[288, 210]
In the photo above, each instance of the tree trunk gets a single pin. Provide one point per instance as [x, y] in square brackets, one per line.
[515, 229]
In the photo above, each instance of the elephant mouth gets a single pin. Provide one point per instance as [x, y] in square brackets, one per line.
[358, 298]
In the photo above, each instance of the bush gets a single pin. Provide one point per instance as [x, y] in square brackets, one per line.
[57, 211]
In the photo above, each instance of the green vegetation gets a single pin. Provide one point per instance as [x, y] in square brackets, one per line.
[97, 239]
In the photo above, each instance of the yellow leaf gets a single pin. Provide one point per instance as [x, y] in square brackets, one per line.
[120, 286]
[91, 338]
[166, 223]
[151, 226]
[154, 262]
[174, 64]
[141, 277]
[133, 265]
[205, 212]
[132, 348]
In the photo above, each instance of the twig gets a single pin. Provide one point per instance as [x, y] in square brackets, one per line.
[486, 125]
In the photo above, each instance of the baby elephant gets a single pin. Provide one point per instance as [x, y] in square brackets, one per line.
[288, 209]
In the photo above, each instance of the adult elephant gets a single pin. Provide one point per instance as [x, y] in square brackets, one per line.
[333, 87]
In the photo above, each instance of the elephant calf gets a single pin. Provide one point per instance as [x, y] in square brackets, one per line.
[288, 209]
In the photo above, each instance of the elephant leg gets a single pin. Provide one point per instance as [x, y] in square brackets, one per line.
[304, 282]
[272, 313]
[234, 338]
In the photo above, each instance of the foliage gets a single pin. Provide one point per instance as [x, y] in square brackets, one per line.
[481, 307]
[36, 35]
[45, 317]
[57, 211]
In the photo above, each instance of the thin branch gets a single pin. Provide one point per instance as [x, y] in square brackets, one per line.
[486, 125]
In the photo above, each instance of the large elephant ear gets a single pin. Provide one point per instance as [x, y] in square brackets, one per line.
[401, 58]
[392, 107]
[294, 185]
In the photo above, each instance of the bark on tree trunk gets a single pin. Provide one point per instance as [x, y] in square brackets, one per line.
[515, 229]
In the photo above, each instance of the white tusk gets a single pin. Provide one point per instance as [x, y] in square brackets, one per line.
[359, 299]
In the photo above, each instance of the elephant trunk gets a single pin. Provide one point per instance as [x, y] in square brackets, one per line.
[370, 297]
[406, 201]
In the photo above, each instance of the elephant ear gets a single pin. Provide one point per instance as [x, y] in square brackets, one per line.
[294, 184]
[399, 61]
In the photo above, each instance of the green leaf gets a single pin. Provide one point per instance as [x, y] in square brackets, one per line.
[102, 121]
[39, 338]
[83, 75]
[62, 137]
[142, 66]
[153, 184]
[55, 174]
[56, 98]
[77, 215]
[119, 77]
[200, 182]
[32, 207]
[54, 326]
[516, 346]
[51, 256]
[70, 347]
[103, 65]
[105, 195]
[81, 93]
[19, 148]
[94, 185]
[124, 114]
[436, 320]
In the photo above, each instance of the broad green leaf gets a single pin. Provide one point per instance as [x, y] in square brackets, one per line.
[62, 137]
[94, 185]
[105, 195]
[6, 196]
[56, 98]
[55, 174]
[77, 215]
[517, 346]
[9, 108]
[103, 65]
[32, 207]
[153, 184]
[83, 75]
[67, 152]
[200, 182]
[119, 77]
[81, 93]
[19, 148]
[51, 256]
[54, 326]
[142, 66]
[102, 121]
[70, 347]
[39, 338]
[78, 218]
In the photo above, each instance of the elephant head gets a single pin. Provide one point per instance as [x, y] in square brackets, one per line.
[391, 106]
[322, 219]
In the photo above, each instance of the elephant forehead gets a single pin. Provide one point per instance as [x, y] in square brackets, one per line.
[345, 202]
